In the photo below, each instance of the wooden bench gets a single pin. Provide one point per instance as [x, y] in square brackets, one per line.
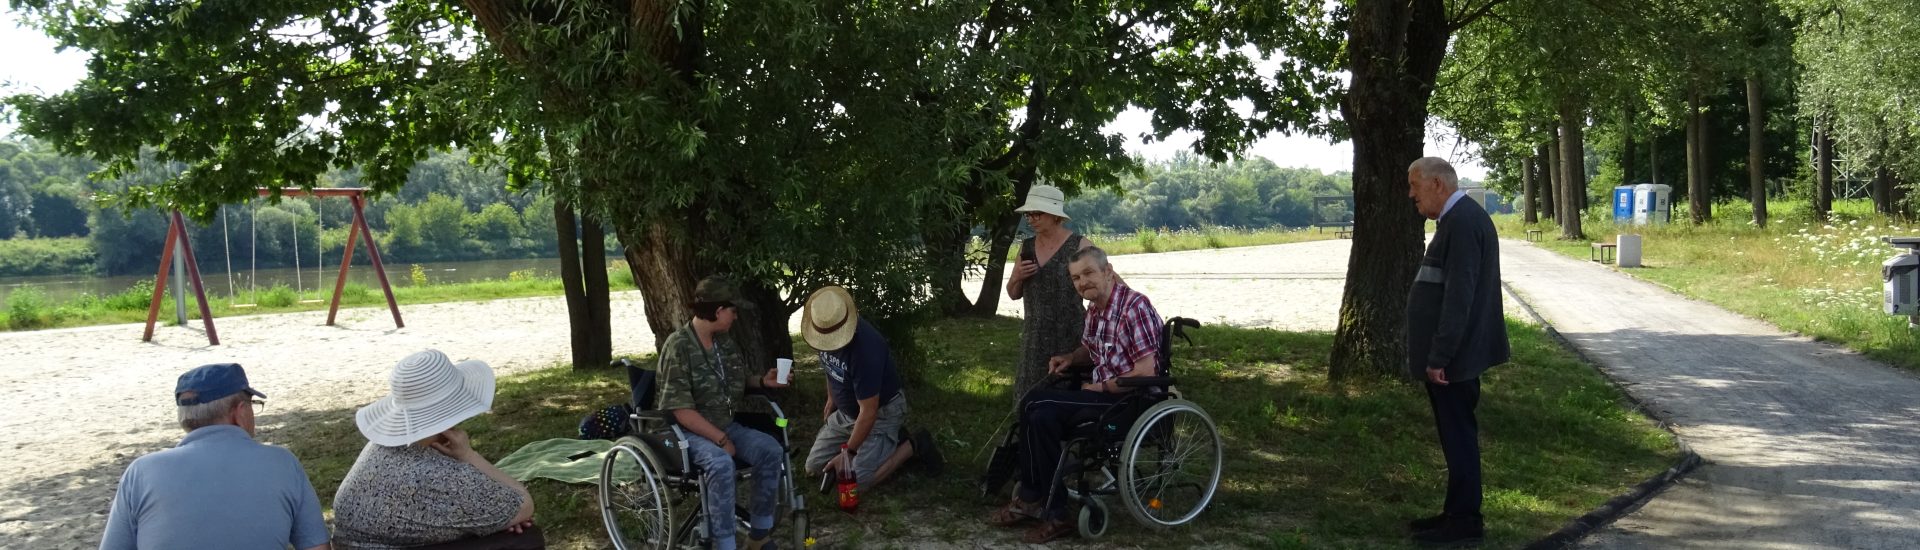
[1602, 252]
[1344, 232]
[1534, 235]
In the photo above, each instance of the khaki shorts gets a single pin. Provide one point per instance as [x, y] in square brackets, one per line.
[879, 445]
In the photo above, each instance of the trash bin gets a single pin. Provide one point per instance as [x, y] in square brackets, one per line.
[1627, 251]
[1902, 274]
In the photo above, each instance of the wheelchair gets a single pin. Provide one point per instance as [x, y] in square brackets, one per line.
[1159, 452]
[650, 493]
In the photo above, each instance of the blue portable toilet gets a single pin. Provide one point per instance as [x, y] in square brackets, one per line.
[1623, 204]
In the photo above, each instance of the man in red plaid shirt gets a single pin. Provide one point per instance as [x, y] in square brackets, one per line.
[1122, 339]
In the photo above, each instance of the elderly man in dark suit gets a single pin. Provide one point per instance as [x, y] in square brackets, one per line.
[1455, 331]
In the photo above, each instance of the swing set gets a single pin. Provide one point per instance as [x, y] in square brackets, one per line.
[177, 234]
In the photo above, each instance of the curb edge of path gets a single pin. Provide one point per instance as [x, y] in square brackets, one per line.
[1620, 505]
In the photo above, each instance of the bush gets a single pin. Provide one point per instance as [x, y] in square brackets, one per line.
[27, 308]
[134, 298]
[418, 275]
[618, 276]
[62, 256]
[1148, 240]
[278, 296]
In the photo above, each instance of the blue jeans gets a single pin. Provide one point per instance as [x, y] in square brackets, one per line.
[758, 450]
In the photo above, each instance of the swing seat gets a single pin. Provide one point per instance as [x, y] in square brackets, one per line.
[241, 306]
[313, 301]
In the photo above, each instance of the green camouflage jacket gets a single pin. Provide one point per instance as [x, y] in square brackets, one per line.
[711, 383]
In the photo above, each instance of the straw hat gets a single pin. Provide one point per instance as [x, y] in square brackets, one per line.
[1046, 198]
[829, 319]
[430, 394]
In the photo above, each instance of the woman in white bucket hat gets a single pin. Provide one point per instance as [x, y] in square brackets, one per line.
[419, 481]
[1054, 315]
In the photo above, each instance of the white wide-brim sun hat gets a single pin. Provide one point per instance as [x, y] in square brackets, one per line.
[429, 394]
[1045, 198]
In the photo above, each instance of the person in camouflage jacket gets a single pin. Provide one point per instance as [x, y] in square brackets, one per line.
[703, 380]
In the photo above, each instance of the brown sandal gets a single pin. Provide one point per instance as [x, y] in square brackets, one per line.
[1014, 513]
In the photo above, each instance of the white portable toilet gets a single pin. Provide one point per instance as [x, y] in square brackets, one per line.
[1650, 204]
[1902, 275]
[1478, 195]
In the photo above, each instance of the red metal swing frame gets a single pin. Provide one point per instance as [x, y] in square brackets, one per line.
[177, 233]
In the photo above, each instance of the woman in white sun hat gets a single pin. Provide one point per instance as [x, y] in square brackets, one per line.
[1054, 315]
[418, 481]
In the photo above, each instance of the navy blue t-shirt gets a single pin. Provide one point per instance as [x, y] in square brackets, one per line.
[862, 369]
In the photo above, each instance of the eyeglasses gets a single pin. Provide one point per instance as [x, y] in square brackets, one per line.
[259, 405]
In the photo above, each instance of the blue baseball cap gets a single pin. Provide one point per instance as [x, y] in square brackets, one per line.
[209, 383]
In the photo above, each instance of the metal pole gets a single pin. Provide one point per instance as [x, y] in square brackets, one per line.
[180, 280]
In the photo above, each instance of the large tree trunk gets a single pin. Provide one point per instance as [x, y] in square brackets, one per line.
[579, 314]
[1627, 166]
[593, 268]
[999, 241]
[945, 252]
[1653, 157]
[1699, 199]
[1756, 161]
[1551, 206]
[1395, 48]
[663, 270]
[1573, 170]
[1530, 212]
[1882, 189]
[1823, 179]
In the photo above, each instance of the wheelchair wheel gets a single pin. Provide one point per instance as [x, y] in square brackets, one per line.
[634, 500]
[1170, 464]
[1094, 518]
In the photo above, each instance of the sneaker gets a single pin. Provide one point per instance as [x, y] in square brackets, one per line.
[927, 453]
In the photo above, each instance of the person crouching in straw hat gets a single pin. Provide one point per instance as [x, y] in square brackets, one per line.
[419, 481]
[866, 411]
[703, 377]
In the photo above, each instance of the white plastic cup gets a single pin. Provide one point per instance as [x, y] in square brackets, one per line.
[786, 368]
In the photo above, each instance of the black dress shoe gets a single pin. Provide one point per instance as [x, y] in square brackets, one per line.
[1424, 524]
[1453, 533]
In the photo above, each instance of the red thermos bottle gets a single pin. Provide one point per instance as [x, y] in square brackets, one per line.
[849, 487]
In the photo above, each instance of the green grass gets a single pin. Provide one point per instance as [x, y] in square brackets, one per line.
[1150, 241]
[1821, 280]
[27, 308]
[1308, 465]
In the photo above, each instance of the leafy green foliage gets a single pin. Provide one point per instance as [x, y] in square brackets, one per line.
[1187, 191]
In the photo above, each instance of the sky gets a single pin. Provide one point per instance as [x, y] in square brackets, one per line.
[30, 65]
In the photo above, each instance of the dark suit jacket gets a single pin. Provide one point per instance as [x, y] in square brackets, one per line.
[1454, 317]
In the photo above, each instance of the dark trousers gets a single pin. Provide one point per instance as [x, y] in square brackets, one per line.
[1453, 406]
[1046, 415]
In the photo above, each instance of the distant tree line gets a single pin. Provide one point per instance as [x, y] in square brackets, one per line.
[450, 209]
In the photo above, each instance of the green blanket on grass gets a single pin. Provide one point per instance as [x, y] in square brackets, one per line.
[563, 460]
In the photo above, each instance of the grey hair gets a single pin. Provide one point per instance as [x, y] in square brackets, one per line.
[1436, 167]
[1099, 256]
[218, 411]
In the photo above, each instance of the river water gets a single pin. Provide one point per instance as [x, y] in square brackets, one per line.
[311, 282]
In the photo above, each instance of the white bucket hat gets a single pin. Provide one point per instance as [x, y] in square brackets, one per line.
[430, 394]
[1045, 198]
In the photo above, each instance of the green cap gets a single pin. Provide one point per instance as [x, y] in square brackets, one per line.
[718, 289]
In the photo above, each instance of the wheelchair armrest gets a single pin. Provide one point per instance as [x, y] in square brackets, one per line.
[1144, 381]
[760, 400]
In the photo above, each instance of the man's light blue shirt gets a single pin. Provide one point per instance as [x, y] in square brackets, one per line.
[218, 489]
[1457, 195]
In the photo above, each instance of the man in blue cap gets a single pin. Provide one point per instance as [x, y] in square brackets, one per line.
[219, 488]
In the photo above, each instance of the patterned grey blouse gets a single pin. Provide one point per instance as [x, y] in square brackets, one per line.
[1053, 318]
[395, 497]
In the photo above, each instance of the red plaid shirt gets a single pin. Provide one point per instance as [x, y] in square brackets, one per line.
[1127, 331]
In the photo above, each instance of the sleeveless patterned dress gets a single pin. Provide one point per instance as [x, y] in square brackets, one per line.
[1054, 317]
